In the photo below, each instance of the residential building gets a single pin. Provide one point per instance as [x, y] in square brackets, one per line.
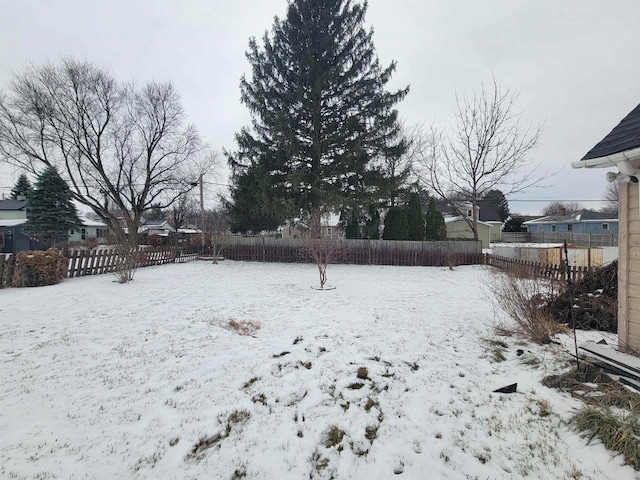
[580, 221]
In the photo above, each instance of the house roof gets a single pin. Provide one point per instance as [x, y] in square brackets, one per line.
[625, 136]
[466, 220]
[573, 217]
[88, 222]
[11, 204]
[12, 223]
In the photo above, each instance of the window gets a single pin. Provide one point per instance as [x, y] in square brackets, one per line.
[71, 232]
[469, 214]
[100, 233]
[2, 240]
[83, 233]
[605, 227]
[553, 228]
[328, 231]
[570, 227]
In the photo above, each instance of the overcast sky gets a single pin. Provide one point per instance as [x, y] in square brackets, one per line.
[577, 63]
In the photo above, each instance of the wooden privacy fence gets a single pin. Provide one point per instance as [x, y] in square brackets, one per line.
[358, 252]
[538, 269]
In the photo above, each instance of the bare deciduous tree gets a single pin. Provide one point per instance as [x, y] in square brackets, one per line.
[612, 202]
[122, 148]
[486, 148]
[561, 208]
[322, 251]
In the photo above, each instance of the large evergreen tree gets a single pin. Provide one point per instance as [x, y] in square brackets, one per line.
[435, 227]
[415, 218]
[497, 198]
[22, 188]
[321, 115]
[51, 211]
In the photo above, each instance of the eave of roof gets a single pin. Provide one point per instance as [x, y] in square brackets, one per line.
[620, 145]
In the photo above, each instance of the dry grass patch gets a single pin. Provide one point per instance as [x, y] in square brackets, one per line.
[246, 328]
[333, 436]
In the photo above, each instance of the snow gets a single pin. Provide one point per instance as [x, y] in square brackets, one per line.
[103, 381]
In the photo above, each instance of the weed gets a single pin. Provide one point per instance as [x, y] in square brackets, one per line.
[621, 434]
[497, 356]
[495, 342]
[250, 382]
[370, 404]
[413, 366]
[306, 365]
[355, 386]
[297, 340]
[204, 443]
[242, 327]
[174, 441]
[239, 473]
[363, 373]
[281, 354]
[333, 436]
[544, 407]
[438, 435]
[259, 398]
[371, 433]
[531, 360]
[236, 417]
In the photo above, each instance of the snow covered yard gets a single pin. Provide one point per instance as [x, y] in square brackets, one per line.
[385, 376]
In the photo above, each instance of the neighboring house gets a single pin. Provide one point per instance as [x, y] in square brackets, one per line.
[89, 229]
[161, 228]
[13, 209]
[329, 228]
[620, 149]
[489, 223]
[580, 221]
[12, 238]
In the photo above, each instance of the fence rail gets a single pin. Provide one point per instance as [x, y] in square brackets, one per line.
[538, 269]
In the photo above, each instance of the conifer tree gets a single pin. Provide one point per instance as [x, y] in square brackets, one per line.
[50, 209]
[396, 226]
[415, 218]
[320, 113]
[22, 188]
[371, 227]
[352, 229]
[435, 227]
[497, 198]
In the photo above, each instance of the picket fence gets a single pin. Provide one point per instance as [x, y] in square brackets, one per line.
[99, 261]
[537, 269]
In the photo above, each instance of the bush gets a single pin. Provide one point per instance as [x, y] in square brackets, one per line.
[39, 268]
[522, 297]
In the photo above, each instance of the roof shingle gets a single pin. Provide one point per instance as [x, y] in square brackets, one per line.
[625, 136]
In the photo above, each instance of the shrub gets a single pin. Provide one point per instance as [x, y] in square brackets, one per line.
[522, 297]
[38, 268]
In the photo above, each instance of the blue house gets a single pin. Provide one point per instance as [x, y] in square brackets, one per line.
[580, 221]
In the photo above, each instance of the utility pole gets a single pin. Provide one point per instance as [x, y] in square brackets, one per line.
[202, 210]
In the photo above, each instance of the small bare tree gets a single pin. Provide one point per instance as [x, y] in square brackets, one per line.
[486, 148]
[322, 251]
